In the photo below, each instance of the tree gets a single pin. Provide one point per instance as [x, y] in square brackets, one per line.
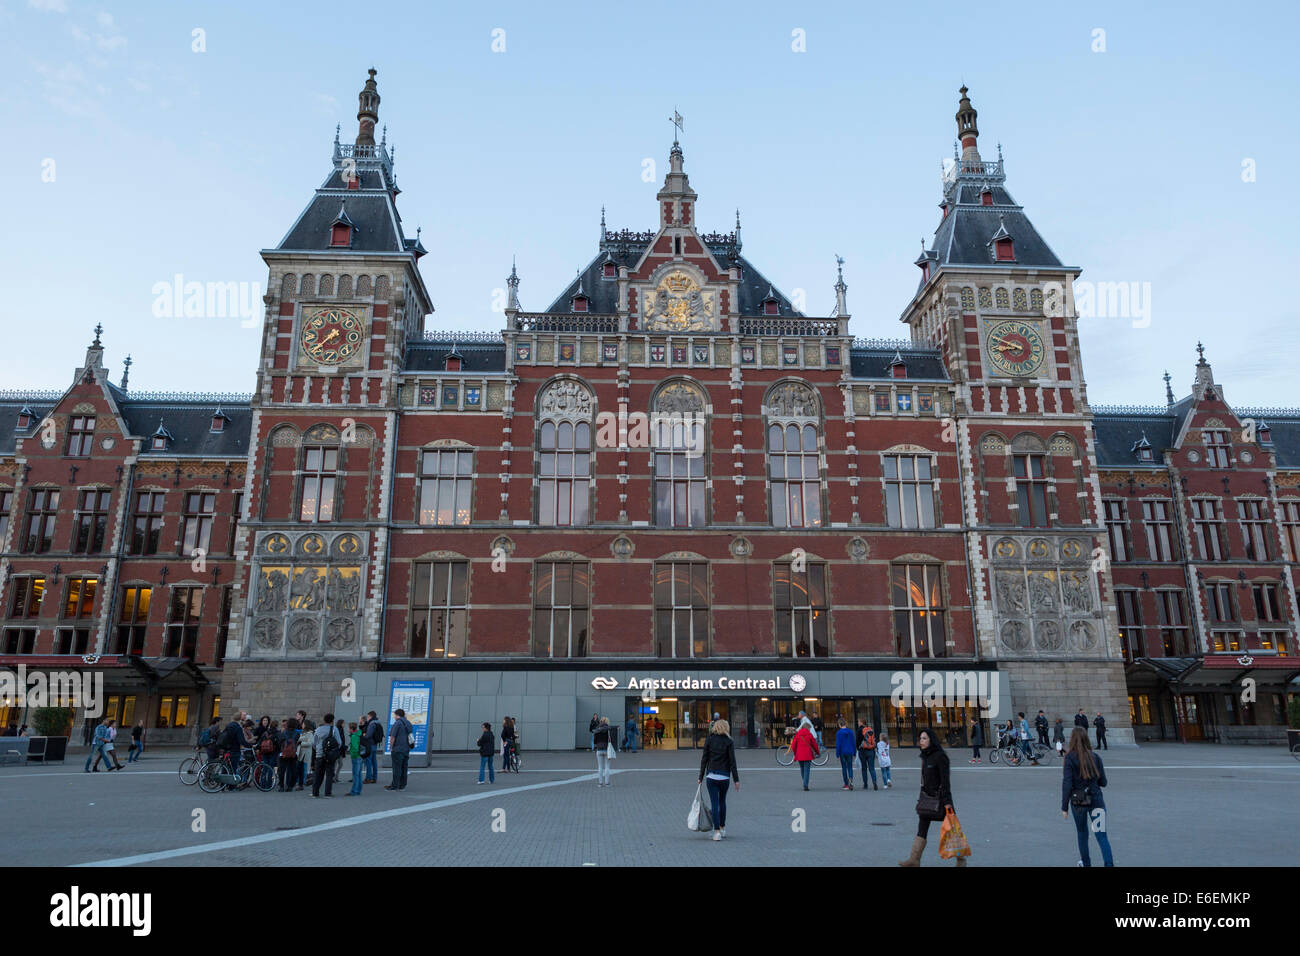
[51, 721]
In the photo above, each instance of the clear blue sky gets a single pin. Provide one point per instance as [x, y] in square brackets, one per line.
[1129, 161]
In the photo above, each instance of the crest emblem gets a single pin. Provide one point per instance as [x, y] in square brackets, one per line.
[657, 353]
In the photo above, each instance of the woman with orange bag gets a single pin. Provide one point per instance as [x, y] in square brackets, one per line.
[935, 800]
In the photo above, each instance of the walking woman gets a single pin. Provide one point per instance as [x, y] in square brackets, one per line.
[976, 740]
[936, 795]
[288, 760]
[507, 741]
[805, 748]
[603, 741]
[1058, 736]
[1081, 783]
[718, 770]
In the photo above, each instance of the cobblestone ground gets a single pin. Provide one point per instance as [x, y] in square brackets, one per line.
[1169, 805]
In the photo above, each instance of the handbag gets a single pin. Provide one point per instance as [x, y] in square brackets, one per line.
[610, 752]
[929, 806]
[693, 818]
[1081, 797]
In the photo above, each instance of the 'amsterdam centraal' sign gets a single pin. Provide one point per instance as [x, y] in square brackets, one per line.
[796, 683]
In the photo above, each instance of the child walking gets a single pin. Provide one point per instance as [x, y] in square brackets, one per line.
[882, 756]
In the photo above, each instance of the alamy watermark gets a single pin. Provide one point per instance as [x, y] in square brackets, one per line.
[918, 688]
[178, 299]
[1102, 300]
[78, 689]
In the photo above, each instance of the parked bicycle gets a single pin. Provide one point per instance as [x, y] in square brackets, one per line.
[218, 775]
[191, 767]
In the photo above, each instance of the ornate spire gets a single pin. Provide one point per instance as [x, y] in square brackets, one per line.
[512, 282]
[676, 199]
[1204, 381]
[841, 302]
[602, 223]
[1169, 390]
[367, 111]
[966, 128]
[99, 330]
[126, 371]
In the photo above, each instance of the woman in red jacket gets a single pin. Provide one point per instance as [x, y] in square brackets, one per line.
[805, 748]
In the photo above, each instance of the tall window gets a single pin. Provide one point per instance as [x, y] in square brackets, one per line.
[1117, 530]
[236, 509]
[81, 597]
[564, 474]
[1173, 624]
[681, 609]
[20, 641]
[41, 515]
[1217, 447]
[1159, 529]
[439, 609]
[6, 505]
[446, 481]
[561, 604]
[173, 712]
[28, 594]
[1254, 528]
[196, 523]
[801, 611]
[1206, 521]
[909, 491]
[81, 435]
[1218, 596]
[1130, 623]
[133, 620]
[183, 617]
[679, 474]
[918, 607]
[146, 531]
[1031, 490]
[92, 521]
[223, 625]
[1290, 526]
[72, 640]
[319, 474]
[792, 462]
[1268, 610]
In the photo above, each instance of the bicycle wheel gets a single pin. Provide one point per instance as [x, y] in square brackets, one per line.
[264, 777]
[208, 781]
[785, 756]
[190, 769]
[1015, 756]
[995, 755]
[514, 761]
[1295, 751]
[821, 758]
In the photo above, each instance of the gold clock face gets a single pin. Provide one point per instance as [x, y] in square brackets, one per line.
[1016, 348]
[331, 336]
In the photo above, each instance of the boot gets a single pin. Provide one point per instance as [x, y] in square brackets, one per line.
[961, 861]
[918, 847]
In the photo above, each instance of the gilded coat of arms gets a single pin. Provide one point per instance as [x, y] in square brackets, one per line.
[679, 305]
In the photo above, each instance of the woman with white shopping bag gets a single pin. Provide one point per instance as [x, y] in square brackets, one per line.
[605, 752]
[718, 770]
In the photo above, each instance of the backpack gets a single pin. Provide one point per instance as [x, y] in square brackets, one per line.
[205, 738]
[268, 745]
[869, 739]
[290, 749]
[330, 749]
[376, 733]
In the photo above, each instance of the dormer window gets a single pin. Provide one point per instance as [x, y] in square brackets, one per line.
[925, 273]
[609, 271]
[25, 419]
[986, 196]
[898, 368]
[161, 439]
[452, 363]
[1144, 454]
[580, 303]
[159, 443]
[341, 230]
[219, 420]
[1005, 252]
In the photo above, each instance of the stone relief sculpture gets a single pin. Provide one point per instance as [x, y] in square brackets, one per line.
[1047, 636]
[273, 591]
[1077, 591]
[1042, 591]
[566, 399]
[1015, 635]
[792, 400]
[679, 397]
[344, 590]
[1011, 592]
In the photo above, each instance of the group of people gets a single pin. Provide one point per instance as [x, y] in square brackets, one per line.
[1018, 730]
[487, 748]
[297, 746]
[103, 745]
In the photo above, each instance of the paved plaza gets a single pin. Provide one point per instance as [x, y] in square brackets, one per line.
[1169, 805]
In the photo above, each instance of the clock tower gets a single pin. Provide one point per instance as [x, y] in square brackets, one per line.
[344, 297]
[997, 302]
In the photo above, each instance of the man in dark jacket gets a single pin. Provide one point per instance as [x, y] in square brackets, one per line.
[1100, 724]
[399, 748]
[323, 771]
[1081, 719]
[1040, 724]
[373, 734]
[487, 749]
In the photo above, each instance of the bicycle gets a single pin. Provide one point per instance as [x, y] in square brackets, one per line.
[785, 756]
[512, 759]
[217, 775]
[1295, 750]
[192, 767]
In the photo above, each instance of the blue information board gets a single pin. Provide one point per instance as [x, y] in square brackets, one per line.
[415, 698]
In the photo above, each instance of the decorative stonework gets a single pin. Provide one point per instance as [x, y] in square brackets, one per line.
[566, 399]
[858, 550]
[1045, 596]
[791, 400]
[622, 547]
[679, 397]
[741, 547]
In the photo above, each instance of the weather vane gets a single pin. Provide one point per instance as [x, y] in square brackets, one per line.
[677, 121]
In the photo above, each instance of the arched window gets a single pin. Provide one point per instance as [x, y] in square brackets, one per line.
[678, 433]
[564, 454]
[792, 463]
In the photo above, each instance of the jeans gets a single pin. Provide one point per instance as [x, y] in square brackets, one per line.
[1042, 736]
[322, 772]
[975, 752]
[372, 764]
[505, 756]
[96, 754]
[137, 748]
[846, 770]
[884, 776]
[805, 768]
[399, 760]
[485, 765]
[718, 797]
[630, 742]
[602, 766]
[868, 766]
[358, 772]
[1081, 821]
[302, 772]
[288, 774]
[1024, 745]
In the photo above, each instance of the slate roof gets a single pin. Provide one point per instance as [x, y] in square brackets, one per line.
[475, 356]
[189, 420]
[1116, 433]
[875, 363]
[603, 292]
[378, 228]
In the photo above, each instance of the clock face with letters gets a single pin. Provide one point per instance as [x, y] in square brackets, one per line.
[1015, 348]
[332, 335]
